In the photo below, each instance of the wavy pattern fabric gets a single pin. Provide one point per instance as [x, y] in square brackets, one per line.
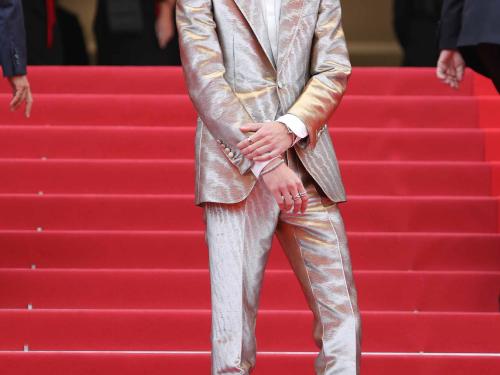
[239, 238]
[232, 80]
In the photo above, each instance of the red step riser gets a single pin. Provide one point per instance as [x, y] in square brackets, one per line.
[355, 111]
[164, 143]
[177, 177]
[369, 251]
[190, 330]
[57, 363]
[153, 212]
[186, 289]
[170, 80]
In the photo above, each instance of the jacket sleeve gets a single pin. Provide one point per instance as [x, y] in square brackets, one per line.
[216, 103]
[450, 24]
[330, 71]
[12, 38]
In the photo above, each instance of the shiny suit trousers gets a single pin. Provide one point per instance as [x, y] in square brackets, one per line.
[239, 238]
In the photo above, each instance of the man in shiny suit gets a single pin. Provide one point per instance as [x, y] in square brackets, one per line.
[13, 53]
[469, 35]
[265, 76]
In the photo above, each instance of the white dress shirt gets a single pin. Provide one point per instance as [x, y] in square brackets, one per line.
[271, 10]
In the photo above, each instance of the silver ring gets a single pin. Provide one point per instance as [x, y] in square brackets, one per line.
[250, 141]
[297, 197]
[302, 194]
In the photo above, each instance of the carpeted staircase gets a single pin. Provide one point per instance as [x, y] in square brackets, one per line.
[103, 267]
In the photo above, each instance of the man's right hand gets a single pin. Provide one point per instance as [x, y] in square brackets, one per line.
[283, 182]
[21, 93]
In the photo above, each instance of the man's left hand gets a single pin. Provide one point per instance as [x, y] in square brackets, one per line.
[270, 140]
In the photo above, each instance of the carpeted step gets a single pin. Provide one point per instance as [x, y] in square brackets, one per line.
[177, 110]
[165, 142]
[190, 289]
[91, 142]
[177, 177]
[170, 80]
[190, 329]
[189, 363]
[187, 250]
[156, 212]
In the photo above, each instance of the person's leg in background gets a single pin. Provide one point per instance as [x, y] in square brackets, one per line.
[489, 54]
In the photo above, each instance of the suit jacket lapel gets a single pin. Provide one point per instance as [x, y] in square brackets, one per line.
[253, 14]
[291, 11]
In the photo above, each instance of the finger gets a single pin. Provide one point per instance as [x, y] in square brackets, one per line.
[16, 100]
[296, 201]
[267, 156]
[260, 152]
[20, 102]
[279, 199]
[460, 73]
[247, 142]
[288, 203]
[449, 80]
[29, 104]
[250, 127]
[440, 72]
[252, 147]
[305, 198]
[451, 73]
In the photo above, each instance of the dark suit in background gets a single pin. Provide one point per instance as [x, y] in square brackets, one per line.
[415, 24]
[473, 27]
[126, 34]
[41, 52]
[64, 46]
[12, 38]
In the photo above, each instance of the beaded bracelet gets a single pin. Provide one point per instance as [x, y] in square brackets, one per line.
[273, 167]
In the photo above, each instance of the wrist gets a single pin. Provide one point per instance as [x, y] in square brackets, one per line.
[289, 131]
[272, 165]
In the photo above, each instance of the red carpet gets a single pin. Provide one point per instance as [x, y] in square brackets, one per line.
[104, 268]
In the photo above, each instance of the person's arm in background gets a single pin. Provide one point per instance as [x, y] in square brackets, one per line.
[451, 65]
[13, 54]
[165, 22]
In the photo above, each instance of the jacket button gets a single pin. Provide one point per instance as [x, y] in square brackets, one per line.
[231, 155]
[227, 150]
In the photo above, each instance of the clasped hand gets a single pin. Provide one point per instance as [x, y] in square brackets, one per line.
[270, 140]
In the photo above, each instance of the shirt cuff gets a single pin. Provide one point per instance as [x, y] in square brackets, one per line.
[258, 166]
[295, 124]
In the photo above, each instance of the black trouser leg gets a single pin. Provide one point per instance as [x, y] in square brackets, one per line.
[490, 57]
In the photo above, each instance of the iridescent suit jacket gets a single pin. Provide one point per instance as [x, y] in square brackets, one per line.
[233, 79]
